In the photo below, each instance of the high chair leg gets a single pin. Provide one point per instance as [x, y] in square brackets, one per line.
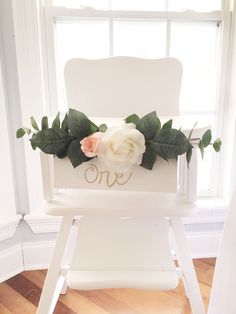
[186, 264]
[54, 281]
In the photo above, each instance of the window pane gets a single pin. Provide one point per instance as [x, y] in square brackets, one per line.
[196, 5]
[96, 4]
[79, 39]
[140, 39]
[196, 45]
[138, 5]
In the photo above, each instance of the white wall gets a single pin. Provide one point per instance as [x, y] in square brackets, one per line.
[7, 206]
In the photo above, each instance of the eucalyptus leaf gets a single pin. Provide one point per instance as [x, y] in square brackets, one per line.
[32, 144]
[170, 143]
[189, 155]
[201, 147]
[191, 132]
[206, 138]
[149, 158]
[34, 124]
[217, 144]
[56, 122]
[52, 141]
[20, 132]
[149, 125]
[167, 125]
[44, 123]
[79, 124]
[62, 154]
[133, 118]
[75, 153]
[64, 124]
[102, 127]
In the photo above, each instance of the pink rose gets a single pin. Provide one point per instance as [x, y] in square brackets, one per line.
[90, 144]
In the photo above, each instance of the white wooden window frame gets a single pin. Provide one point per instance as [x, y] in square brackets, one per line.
[51, 14]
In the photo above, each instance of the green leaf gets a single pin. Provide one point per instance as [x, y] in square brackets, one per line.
[64, 124]
[149, 125]
[79, 124]
[20, 132]
[167, 125]
[201, 147]
[206, 138]
[149, 158]
[56, 122]
[170, 143]
[28, 131]
[44, 123]
[189, 155]
[34, 124]
[52, 141]
[32, 144]
[191, 132]
[75, 153]
[102, 127]
[62, 154]
[217, 144]
[133, 118]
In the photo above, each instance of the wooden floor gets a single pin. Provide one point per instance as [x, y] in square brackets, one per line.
[20, 295]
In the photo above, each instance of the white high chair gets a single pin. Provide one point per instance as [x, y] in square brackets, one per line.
[115, 230]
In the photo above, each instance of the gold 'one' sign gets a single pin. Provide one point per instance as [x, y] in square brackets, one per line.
[93, 175]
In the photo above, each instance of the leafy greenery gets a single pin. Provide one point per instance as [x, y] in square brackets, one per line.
[170, 143]
[149, 125]
[217, 144]
[79, 124]
[34, 124]
[56, 122]
[149, 158]
[52, 141]
[102, 127]
[44, 123]
[22, 131]
[75, 153]
[63, 138]
[133, 118]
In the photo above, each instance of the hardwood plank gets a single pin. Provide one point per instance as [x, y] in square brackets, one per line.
[149, 302]
[24, 291]
[110, 303]
[32, 293]
[80, 304]
[15, 302]
[4, 310]
[75, 301]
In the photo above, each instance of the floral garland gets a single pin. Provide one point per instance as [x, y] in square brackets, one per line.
[138, 141]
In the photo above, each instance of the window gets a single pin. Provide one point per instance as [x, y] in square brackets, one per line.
[190, 30]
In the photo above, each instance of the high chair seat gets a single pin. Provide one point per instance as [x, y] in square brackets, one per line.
[118, 203]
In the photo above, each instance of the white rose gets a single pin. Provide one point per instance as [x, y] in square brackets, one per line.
[121, 147]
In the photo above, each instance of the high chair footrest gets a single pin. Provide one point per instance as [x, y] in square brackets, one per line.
[151, 280]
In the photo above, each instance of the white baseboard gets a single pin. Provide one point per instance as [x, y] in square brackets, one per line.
[43, 223]
[37, 255]
[11, 261]
[204, 244]
[8, 227]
